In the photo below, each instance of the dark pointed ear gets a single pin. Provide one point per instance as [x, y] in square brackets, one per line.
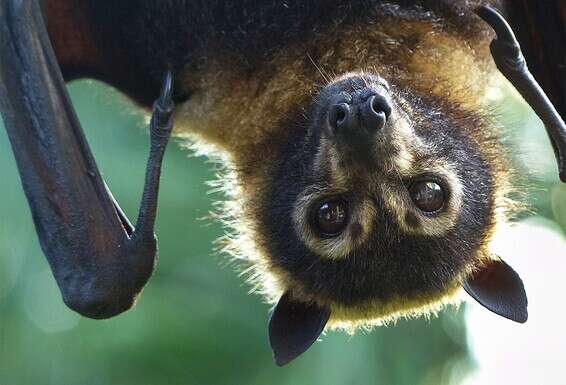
[497, 287]
[294, 327]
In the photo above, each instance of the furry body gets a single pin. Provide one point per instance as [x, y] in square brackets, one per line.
[250, 81]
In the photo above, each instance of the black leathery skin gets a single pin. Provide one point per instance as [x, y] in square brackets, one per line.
[498, 288]
[294, 327]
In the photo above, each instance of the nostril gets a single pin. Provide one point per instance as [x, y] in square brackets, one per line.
[338, 115]
[378, 103]
[375, 112]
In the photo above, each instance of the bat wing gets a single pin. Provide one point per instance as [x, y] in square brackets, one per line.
[98, 259]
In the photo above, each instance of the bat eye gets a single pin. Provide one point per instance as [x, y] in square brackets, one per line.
[427, 195]
[331, 217]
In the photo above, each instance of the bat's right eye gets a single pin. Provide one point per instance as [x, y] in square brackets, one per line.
[331, 217]
[427, 195]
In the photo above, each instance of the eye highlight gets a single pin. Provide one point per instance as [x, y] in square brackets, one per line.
[427, 195]
[331, 217]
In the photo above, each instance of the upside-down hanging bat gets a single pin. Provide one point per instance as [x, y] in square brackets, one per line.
[364, 175]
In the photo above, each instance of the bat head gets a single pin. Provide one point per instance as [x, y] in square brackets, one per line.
[381, 205]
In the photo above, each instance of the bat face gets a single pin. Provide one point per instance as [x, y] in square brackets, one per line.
[378, 203]
[383, 204]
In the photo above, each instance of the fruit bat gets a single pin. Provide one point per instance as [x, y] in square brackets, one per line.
[364, 179]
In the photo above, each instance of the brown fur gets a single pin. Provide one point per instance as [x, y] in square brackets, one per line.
[229, 102]
[77, 52]
[239, 113]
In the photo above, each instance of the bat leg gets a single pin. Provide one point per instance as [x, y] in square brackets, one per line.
[99, 260]
[510, 61]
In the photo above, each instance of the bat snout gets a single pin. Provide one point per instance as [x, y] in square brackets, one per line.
[355, 112]
[364, 113]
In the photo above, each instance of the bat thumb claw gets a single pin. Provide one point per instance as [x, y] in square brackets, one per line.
[498, 23]
[165, 100]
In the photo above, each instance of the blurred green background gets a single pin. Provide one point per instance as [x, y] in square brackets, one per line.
[195, 322]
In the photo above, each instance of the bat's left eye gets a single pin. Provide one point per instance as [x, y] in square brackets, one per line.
[331, 217]
[427, 195]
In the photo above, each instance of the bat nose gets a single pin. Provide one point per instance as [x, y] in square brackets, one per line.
[359, 114]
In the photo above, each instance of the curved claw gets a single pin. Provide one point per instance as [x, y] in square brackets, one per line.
[505, 48]
[165, 100]
[510, 61]
[160, 128]
[498, 23]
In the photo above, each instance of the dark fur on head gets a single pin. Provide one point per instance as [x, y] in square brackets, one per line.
[391, 265]
[269, 118]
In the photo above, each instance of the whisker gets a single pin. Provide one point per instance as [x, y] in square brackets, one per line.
[320, 71]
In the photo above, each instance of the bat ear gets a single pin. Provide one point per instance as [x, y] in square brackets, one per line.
[294, 327]
[498, 288]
